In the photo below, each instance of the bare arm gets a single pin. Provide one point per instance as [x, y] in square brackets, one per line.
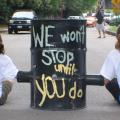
[106, 81]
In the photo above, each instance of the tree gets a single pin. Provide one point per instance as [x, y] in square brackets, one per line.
[20, 4]
[47, 7]
[62, 8]
[3, 11]
[76, 7]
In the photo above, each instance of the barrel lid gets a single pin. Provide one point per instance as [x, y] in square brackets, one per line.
[58, 33]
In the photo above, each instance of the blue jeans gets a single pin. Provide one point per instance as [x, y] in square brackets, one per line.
[114, 89]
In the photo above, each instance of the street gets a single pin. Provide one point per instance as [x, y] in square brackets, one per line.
[99, 103]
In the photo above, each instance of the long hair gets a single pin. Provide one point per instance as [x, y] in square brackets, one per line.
[117, 45]
[2, 50]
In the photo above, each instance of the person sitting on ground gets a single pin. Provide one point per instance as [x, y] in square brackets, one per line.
[8, 73]
[111, 70]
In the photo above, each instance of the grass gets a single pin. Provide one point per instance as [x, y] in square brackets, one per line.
[3, 25]
[112, 28]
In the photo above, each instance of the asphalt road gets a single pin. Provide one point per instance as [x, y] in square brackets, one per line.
[99, 104]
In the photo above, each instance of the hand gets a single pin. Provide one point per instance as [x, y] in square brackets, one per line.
[106, 81]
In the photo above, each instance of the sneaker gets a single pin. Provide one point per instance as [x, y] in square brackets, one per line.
[99, 37]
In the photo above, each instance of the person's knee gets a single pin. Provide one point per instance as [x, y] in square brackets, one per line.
[6, 89]
[7, 86]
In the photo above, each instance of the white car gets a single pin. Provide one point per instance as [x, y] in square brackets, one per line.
[76, 17]
[108, 16]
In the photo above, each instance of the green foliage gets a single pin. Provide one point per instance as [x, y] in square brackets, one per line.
[77, 6]
[113, 28]
[47, 7]
[54, 6]
[115, 22]
[4, 11]
[20, 4]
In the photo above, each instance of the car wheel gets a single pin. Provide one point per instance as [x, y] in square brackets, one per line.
[9, 31]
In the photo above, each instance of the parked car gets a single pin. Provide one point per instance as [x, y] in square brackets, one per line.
[76, 17]
[115, 20]
[90, 21]
[107, 17]
[21, 21]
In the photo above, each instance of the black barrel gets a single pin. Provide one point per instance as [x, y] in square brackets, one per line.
[62, 62]
[59, 93]
[58, 63]
[58, 34]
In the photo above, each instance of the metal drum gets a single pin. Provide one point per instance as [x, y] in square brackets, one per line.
[58, 65]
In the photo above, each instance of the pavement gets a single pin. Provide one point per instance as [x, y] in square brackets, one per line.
[99, 103]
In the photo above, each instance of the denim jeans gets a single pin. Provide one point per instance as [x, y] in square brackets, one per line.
[114, 89]
[6, 88]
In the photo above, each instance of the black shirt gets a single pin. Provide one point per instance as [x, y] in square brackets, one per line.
[99, 17]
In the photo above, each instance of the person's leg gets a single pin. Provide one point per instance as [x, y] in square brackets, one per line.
[103, 33]
[6, 89]
[98, 29]
[103, 29]
[113, 88]
[99, 34]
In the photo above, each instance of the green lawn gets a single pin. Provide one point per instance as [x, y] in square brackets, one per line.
[3, 25]
[112, 28]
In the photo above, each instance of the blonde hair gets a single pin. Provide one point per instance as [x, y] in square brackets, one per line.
[117, 45]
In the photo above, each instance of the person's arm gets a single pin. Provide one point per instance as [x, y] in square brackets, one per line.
[108, 70]
[106, 81]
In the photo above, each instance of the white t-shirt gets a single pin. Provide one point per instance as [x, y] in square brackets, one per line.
[8, 70]
[111, 66]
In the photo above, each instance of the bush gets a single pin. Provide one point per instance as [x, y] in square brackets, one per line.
[115, 21]
[113, 29]
[2, 20]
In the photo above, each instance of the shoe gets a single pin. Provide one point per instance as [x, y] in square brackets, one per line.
[104, 37]
[99, 37]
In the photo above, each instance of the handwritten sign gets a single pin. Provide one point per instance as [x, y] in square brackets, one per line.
[62, 62]
[51, 89]
[54, 34]
[58, 56]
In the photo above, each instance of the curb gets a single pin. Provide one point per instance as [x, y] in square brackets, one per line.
[110, 33]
